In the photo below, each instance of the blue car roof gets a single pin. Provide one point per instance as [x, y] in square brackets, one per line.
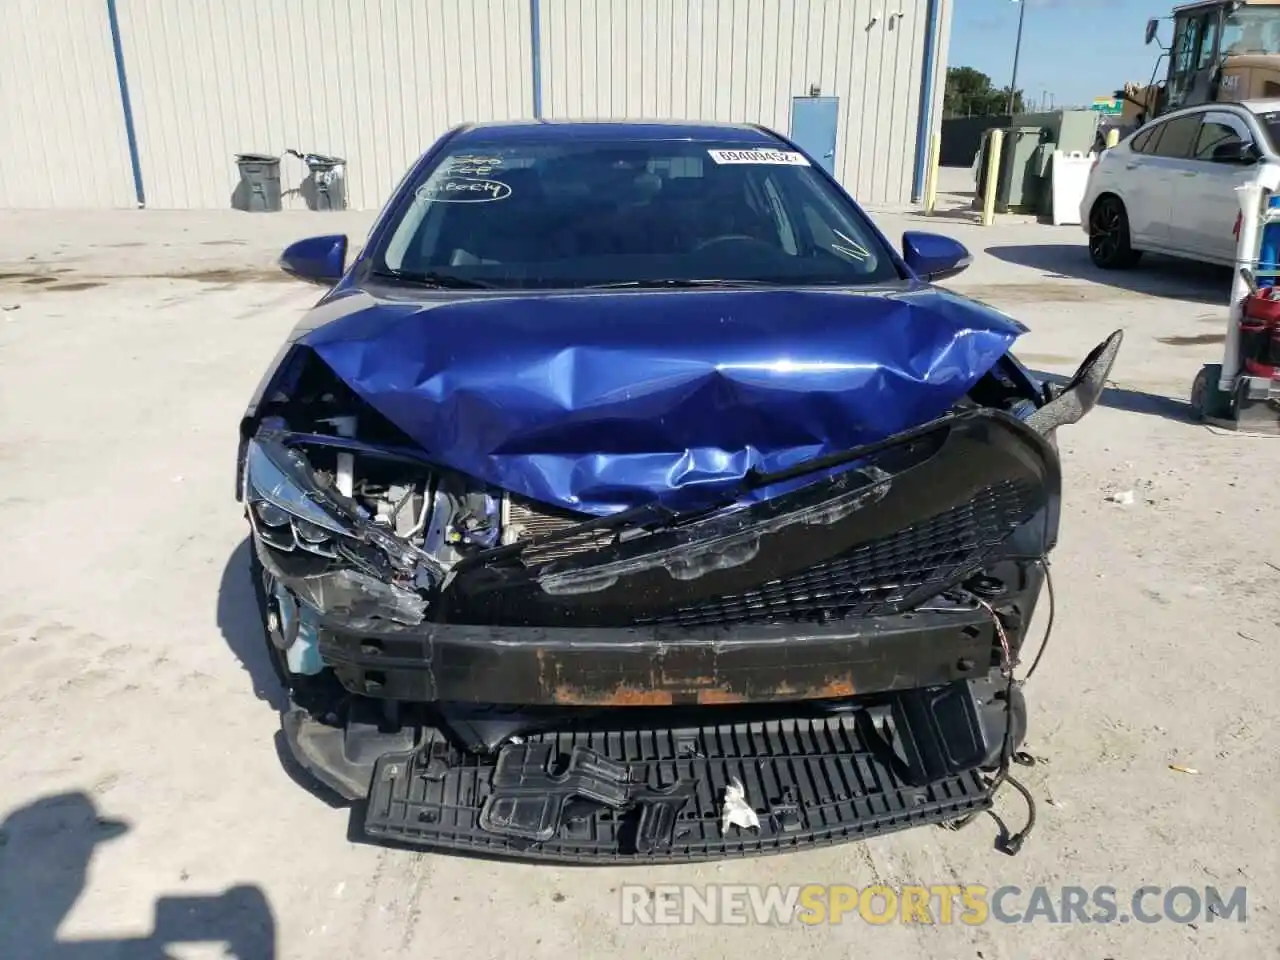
[544, 131]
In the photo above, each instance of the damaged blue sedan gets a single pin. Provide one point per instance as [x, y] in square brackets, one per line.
[629, 497]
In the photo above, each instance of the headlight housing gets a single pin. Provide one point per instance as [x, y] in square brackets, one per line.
[282, 512]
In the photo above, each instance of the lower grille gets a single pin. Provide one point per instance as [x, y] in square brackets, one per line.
[811, 782]
[876, 577]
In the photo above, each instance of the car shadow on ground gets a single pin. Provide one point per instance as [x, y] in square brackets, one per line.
[242, 628]
[1133, 401]
[45, 850]
[1154, 276]
[241, 624]
[949, 206]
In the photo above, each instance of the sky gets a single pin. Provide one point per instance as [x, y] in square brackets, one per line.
[1072, 50]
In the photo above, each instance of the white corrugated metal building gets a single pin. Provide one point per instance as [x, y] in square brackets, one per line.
[122, 103]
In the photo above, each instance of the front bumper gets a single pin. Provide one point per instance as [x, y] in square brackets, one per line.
[480, 687]
[865, 582]
[844, 668]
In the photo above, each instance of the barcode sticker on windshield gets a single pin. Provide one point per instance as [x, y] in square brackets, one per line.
[784, 158]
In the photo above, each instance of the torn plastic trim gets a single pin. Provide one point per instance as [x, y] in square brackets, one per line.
[839, 467]
[689, 562]
[722, 542]
[985, 478]
[406, 455]
[361, 601]
[1082, 392]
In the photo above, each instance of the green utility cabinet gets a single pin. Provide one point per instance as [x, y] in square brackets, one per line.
[1018, 181]
[1068, 130]
[1024, 183]
[1022, 170]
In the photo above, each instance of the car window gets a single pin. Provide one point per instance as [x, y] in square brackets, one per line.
[1146, 140]
[581, 214]
[1218, 129]
[1270, 123]
[1178, 137]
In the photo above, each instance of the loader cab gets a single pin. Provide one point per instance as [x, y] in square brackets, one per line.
[1194, 56]
[1251, 52]
[1221, 50]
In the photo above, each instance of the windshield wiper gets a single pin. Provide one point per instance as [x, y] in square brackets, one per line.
[678, 282]
[433, 278]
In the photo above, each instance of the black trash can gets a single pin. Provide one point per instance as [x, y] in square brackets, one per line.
[326, 185]
[259, 188]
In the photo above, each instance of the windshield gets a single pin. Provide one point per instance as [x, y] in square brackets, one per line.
[579, 214]
[1270, 123]
[1252, 30]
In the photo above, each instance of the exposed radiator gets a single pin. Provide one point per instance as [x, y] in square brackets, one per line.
[528, 520]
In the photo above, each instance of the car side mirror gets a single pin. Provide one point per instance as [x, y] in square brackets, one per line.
[933, 257]
[1153, 25]
[1235, 152]
[321, 260]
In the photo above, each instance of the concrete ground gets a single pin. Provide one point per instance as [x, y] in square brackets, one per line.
[142, 797]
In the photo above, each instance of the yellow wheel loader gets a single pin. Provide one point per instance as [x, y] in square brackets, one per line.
[1221, 50]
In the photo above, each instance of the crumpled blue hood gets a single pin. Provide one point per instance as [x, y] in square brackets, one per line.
[602, 401]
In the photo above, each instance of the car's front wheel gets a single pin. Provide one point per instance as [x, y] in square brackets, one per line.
[1109, 242]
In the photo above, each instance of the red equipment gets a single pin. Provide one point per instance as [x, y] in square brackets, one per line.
[1260, 333]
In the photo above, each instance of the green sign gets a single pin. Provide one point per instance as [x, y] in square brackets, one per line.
[1109, 106]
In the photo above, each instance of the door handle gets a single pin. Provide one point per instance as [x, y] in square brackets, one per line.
[1189, 173]
[1131, 166]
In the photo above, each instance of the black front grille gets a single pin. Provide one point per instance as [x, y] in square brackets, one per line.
[874, 578]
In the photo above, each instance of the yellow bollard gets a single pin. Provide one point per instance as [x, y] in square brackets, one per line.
[993, 177]
[1113, 137]
[931, 174]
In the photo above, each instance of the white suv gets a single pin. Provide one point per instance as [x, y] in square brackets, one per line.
[1170, 187]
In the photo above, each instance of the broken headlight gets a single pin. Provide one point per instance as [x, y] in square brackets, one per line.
[282, 512]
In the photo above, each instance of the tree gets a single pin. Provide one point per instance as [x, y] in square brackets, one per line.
[970, 93]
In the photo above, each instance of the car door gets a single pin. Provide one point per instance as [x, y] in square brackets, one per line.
[1178, 176]
[1143, 184]
[1211, 201]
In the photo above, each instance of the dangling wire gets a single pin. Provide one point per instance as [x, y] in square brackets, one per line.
[1008, 661]
[1048, 627]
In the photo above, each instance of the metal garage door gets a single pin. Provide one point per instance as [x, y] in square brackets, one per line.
[62, 140]
[744, 60]
[374, 83]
